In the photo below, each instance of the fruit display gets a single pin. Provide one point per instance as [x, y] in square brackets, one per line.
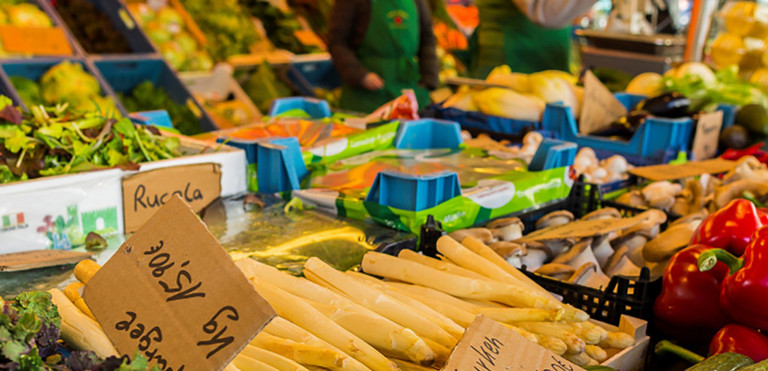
[523, 96]
[146, 97]
[281, 26]
[227, 28]
[166, 28]
[93, 29]
[57, 140]
[66, 82]
[740, 41]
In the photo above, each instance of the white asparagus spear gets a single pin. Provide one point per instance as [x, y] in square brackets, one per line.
[377, 301]
[273, 359]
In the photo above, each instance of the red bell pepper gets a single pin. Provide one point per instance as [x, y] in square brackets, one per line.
[744, 293]
[763, 213]
[740, 339]
[688, 307]
[729, 228]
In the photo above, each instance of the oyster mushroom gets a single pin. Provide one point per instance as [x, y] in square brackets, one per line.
[554, 218]
[538, 253]
[506, 229]
[573, 252]
[604, 213]
[482, 234]
[724, 194]
[511, 251]
[556, 271]
[602, 249]
[662, 188]
[632, 198]
[692, 200]
[694, 219]
[636, 236]
[559, 246]
[747, 167]
[669, 242]
[663, 202]
[622, 265]
[653, 216]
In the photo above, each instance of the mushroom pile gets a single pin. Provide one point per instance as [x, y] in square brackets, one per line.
[747, 179]
[590, 261]
[502, 149]
[609, 170]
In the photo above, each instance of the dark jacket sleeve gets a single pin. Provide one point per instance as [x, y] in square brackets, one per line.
[341, 37]
[429, 65]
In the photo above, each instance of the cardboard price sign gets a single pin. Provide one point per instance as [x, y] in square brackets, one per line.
[707, 135]
[688, 169]
[35, 40]
[584, 228]
[144, 193]
[489, 345]
[600, 107]
[173, 293]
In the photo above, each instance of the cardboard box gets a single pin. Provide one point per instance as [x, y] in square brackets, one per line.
[57, 212]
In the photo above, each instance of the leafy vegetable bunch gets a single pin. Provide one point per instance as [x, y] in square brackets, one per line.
[146, 96]
[280, 26]
[705, 95]
[29, 340]
[57, 140]
[228, 29]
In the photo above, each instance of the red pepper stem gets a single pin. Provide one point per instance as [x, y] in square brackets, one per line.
[709, 258]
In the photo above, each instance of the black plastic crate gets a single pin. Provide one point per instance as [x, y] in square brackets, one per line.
[632, 296]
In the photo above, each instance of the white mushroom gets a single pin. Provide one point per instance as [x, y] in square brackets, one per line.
[602, 249]
[595, 174]
[506, 229]
[482, 234]
[538, 253]
[511, 251]
[554, 218]
[533, 137]
[616, 164]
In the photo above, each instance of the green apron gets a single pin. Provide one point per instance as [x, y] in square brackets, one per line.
[505, 35]
[389, 49]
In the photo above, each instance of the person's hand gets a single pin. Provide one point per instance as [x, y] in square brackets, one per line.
[372, 81]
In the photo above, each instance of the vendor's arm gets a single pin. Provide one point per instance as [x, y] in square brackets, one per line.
[553, 13]
[429, 65]
[342, 35]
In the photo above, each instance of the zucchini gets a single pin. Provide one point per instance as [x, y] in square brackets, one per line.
[759, 366]
[722, 362]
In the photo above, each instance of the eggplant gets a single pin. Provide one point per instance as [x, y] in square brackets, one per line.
[624, 127]
[670, 105]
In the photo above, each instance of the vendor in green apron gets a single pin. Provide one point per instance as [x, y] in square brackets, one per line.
[527, 35]
[381, 47]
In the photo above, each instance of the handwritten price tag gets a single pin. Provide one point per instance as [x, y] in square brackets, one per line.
[707, 135]
[144, 193]
[490, 346]
[172, 293]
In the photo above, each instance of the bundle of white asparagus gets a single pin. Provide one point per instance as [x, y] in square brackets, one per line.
[410, 320]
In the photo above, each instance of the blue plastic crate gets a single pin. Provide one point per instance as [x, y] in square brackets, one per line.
[413, 192]
[656, 141]
[483, 122]
[124, 73]
[307, 75]
[34, 69]
[315, 108]
[124, 23]
[428, 134]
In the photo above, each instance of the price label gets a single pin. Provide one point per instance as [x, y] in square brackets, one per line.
[146, 192]
[491, 346]
[35, 40]
[707, 135]
[172, 293]
[600, 107]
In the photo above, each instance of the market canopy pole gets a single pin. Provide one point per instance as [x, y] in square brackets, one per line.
[698, 28]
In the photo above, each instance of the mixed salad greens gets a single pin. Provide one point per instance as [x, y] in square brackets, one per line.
[146, 96]
[57, 140]
[29, 340]
[706, 92]
[227, 27]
